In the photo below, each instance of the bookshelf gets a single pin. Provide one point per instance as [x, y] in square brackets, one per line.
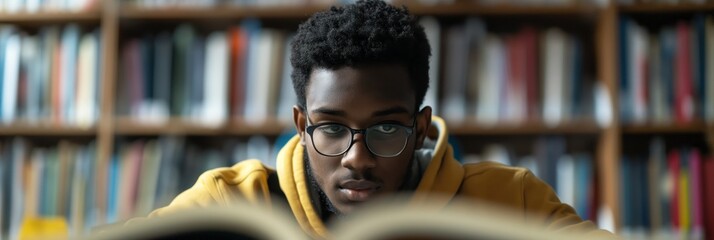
[24, 129]
[88, 16]
[601, 31]
[467, 128]
[177, 126]
[655, 8]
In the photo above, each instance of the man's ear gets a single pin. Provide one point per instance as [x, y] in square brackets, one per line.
[299, 120]
[423, 122]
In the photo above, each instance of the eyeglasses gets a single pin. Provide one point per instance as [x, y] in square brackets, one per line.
[383, 140]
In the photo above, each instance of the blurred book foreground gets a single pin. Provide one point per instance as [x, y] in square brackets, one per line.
[381, 220]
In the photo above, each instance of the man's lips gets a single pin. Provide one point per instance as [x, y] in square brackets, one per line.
[358, 190]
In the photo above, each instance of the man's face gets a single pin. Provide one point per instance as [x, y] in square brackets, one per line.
[360, 98]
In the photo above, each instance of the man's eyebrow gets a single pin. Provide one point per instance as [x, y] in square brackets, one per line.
[380, 113]
[390, 111]
[329, 111]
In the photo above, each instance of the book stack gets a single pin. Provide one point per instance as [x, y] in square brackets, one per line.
[664, 77]
[146, 174]
[666, 194]
[511, 78]
[45, 182]
[242, 72]
[51, 77]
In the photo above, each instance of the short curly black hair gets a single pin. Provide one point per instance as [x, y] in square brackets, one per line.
[367, 32]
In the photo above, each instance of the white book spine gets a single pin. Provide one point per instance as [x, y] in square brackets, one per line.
[553, 60]
[86, 80]
[566, 179]
[638, 56]
[216, 79]
[490, 79]
[11, 77]
[260, 85]
[13, 6]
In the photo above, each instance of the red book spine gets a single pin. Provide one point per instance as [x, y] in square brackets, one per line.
[238, 44]
[673, 163]
[530, 39]
[684, 106]
[708, 195]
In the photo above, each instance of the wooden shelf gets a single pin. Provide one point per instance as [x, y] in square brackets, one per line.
[666, 8]
[466, 8]
[220, 12]
[90, 16]
[528, 128]
[26, 129]
[688, 128]
[303, 12]
[128, 126]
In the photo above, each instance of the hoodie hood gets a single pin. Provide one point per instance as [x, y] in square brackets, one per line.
[440, 179]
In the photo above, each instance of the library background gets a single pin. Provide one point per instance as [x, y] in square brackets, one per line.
[108, 109]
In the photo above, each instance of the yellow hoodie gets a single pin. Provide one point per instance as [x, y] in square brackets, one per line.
[442, 176]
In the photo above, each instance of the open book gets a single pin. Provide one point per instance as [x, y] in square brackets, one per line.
[384, 220]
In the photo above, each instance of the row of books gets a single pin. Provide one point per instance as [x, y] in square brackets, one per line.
[668, 194]
[40, 182]
[514, 77]
[665, 75]
[240, 72]
[61, 180]
[571, 174]
[146, 174]
[32, 6]
[51, 76]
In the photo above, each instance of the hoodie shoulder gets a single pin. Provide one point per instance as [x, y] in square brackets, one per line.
[518, 189]
[494, 182]
[247, 180]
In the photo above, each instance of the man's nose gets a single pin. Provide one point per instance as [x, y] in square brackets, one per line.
[359, 158]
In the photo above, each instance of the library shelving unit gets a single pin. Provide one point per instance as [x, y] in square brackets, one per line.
[111, 15]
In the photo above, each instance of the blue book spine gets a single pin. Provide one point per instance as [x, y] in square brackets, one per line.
[252, 28]
[701, 63]
[70, 42]
[4, 32]
[147, 60]
[577, 92]
[113, 189]
[584, 171]
[624, 68]
[668, 45]
[97, 74]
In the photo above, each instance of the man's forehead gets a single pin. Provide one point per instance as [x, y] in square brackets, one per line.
[379, 83]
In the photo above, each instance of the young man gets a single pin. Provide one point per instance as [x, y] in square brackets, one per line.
[360, 74]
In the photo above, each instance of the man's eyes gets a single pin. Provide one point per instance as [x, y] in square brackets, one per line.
[332, 129]
[385, 128]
